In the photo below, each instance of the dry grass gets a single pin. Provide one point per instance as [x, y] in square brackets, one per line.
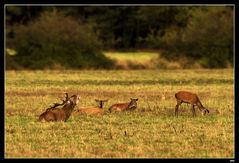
[151, 131]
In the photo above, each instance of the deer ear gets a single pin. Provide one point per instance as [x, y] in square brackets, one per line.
[72, 96]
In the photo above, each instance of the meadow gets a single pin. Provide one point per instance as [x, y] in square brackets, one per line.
[150, 131]
[134, 60]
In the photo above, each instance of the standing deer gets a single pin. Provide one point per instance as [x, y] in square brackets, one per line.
[189, 98]
[132, 105]
[98, 110]
[62, 114]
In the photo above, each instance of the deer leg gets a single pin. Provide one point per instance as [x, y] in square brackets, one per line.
[176, 108]
[193, 110]
[199, 107]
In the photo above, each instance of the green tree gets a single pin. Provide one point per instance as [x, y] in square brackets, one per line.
[207, 38]
[54, 39]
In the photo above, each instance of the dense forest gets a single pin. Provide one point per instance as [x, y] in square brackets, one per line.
[40, 37]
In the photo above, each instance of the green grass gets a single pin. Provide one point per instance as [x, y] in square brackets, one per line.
[151, 131]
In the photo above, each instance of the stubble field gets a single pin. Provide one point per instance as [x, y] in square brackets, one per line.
[151, 131]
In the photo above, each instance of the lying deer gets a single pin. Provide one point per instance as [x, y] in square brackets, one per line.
[132, 105]
[98, 110]
[190, 98]
[60, 114]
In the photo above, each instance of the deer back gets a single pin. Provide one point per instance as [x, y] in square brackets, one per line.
[119, 107]
[90, 111]
[186, 97]
[98, 110]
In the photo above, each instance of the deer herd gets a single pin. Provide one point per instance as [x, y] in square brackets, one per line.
[68, 107]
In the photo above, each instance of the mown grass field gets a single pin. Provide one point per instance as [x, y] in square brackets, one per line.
[132, 56]
[134, 60]
[151, 131]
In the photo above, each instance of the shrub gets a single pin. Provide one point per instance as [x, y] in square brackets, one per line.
[54, 39]
[207, 38]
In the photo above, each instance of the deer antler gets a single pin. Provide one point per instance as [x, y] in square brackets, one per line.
[67, 98]
[63, 102]
[72, 96]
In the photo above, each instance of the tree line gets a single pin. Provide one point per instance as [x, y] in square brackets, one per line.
[74, 37]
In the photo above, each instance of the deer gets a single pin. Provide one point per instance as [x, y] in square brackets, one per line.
[60, 114]
[189, 98]
[132, 105]
[98, 110]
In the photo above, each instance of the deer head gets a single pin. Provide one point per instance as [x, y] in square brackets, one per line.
[204, 111]
[133, 103]
[73, 98]
[101, 102]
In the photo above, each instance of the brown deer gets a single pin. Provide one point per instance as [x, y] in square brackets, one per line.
[98, 110]
[60, 114]
[132, 105]
[189, 98]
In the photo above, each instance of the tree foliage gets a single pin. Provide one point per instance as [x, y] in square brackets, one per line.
[56, 40]
[75, 36]
[207, 38]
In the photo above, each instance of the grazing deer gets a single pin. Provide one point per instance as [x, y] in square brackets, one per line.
[132, 105]
[93, 110]
[189, 98]
[62, 114]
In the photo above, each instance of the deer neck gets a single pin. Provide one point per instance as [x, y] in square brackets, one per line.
[68, 108]
[131, 104]
[101, 105]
